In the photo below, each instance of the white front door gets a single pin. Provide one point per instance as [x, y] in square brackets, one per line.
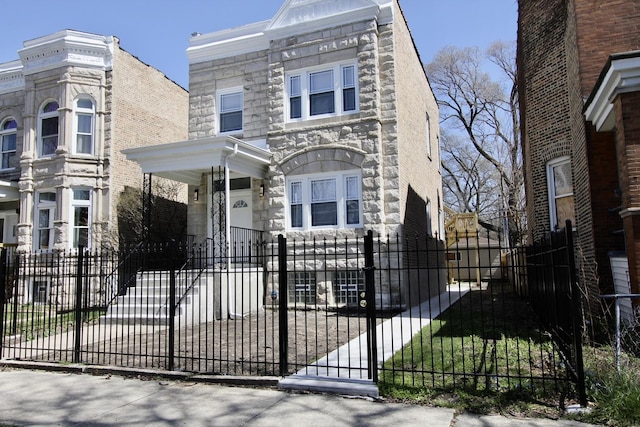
[241, 209]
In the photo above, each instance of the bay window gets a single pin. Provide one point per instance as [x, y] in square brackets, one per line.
[80, 217]
[48, 125]
[84, 124]
[45, 213]
[8, 136]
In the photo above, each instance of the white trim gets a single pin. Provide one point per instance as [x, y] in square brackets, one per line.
[623, 76]
[43, 116]
[51, 206]
[73, 202]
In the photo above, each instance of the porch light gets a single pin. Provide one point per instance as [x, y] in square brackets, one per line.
[196, 194]
[261, 192]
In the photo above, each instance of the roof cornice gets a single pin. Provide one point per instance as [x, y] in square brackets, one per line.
[294, 17]
[67, 47]
[11, 77]
[620, 75]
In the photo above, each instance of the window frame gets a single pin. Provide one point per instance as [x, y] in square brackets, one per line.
[80, 203]
[428, 137]
[347, 286]
[4, 134]
[42, 116]
[303, 97]
[302, 287]
[51, 207]
[83, 111]
[551, 191]
[219, 113]
[304, 203]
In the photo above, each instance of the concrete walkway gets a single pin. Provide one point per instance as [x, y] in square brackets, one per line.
[39, 398]
[345, 370]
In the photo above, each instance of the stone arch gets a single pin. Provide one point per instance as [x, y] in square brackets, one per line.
[322, 159]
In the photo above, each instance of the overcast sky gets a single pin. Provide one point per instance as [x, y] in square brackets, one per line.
[158, 31]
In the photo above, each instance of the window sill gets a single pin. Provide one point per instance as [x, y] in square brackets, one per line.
[320, 121]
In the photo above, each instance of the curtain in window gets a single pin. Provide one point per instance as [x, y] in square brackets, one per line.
[324, 209]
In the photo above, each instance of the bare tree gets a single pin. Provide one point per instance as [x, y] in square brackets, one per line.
[481, 115]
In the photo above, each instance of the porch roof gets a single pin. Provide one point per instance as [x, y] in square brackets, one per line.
[186, 161]
[9, 191]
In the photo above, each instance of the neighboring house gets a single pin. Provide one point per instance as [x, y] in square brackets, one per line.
[68, 106]
[579, 67]
[317, 123]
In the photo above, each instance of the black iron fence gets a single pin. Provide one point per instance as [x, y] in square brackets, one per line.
[402, 311]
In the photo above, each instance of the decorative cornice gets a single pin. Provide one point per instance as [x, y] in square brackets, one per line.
[11, 77]
[620, 75]
[294, 17]
[67, 47]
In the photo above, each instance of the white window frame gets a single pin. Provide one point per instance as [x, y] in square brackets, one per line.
[429, 229]
[551, 189]
[83, 111]
[80, 203]
[219, 97]
[44, 205]
[44, 116]
[347, 285]
[340, 86]
[304, 183]
[5, 134]
[302, 287]
[35, 285]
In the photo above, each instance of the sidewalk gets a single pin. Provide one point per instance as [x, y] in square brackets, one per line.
[39, 398]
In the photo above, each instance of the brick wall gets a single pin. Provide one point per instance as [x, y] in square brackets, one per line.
[144, 108]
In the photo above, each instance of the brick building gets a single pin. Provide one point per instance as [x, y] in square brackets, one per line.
[318, 122]
[578, 68]
[68, 106]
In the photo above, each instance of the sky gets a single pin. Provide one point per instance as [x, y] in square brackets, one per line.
[158, 31]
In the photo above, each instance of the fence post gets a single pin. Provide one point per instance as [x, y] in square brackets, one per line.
[283, 322]
[78, 308]
[3, 293]
[370, 292]
[172, 305]
[576, 313]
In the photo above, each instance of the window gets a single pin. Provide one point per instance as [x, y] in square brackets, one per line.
[45, 212]
[325, 201]
[347, 286]
[322, 92]
[80, 221]
[429, 218]
[230, 115]
[302, 287]
[428, 137]
[48, 120]
[40, 292]
[84, 124]
[560, 187]
[8, 135]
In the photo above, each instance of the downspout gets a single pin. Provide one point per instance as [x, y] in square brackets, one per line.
[227, 230]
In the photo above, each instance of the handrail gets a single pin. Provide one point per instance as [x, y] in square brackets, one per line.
[109, 276]
[203, 267]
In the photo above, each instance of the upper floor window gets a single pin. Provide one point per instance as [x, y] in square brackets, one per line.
[84, 125]
[230, 110]
[8, 136]
[428, 140]
[45, 213]
[322, 92]
[331, 200]
[48, 120]
[560, 188]
[81, 217]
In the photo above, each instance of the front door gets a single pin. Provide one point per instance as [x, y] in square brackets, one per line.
[241, 212]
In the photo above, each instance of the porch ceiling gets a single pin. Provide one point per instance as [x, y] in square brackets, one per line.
[186, 161]
[9, 191]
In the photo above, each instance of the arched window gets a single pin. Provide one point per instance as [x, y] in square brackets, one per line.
[8, 136]
[84, 125]
[48, 119]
